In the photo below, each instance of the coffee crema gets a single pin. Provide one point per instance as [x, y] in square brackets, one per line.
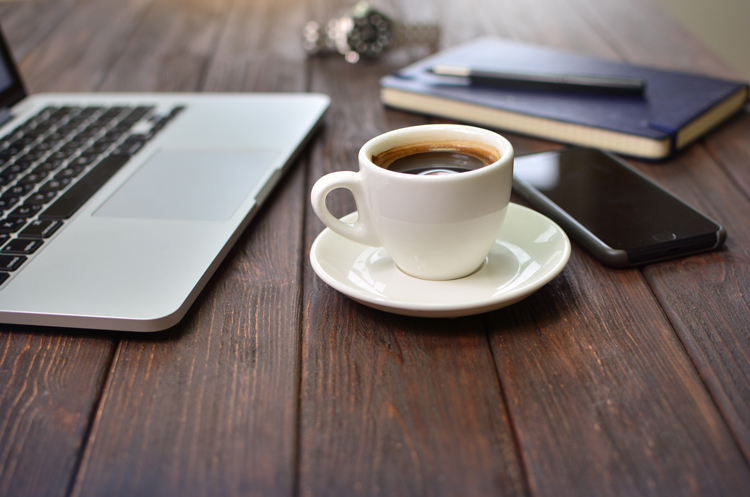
[437, 158]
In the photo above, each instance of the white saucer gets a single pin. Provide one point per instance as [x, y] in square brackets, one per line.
[529, 252]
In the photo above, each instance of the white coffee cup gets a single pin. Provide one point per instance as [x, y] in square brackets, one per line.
[434, 227]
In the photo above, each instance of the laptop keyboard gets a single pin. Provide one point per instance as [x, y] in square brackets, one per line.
[55, 161]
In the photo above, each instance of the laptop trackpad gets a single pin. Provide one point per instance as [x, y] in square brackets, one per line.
[191, 184]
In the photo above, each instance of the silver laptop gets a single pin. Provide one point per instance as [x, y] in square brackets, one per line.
[116, 209]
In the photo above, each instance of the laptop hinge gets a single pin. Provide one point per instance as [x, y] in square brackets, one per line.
[5, 115]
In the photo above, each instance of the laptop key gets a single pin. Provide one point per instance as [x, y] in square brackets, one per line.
[61, 112]
[7, 202]
[55, 137]
[12, 150]
[100, 146]
[6, 177]
[86, 158]
[34, 178]
[11, 262]
[18, 190]
[136, 115]
[70, 172]
[90, 110]
[44, 146]
[74, 144]
[48, 165]
[11, 225]
[22, 247]
[55, 184]
[25, 211]
[130, 146]
[61, 154]
[48, 146]
[40, 198]
[68, 128]
[114, 111]
[40, 228]
[70, 201]
[21, 164]
[22, 142]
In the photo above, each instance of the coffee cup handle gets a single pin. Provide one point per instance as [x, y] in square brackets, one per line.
[361, 231]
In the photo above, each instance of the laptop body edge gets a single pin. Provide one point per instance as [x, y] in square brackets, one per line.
[150, 301]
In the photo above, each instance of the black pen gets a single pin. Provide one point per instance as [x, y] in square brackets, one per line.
[540, 81]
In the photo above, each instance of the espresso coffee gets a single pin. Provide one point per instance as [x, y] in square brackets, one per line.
[431, 159]
[439, 226]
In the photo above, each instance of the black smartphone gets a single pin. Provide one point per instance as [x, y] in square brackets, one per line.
[618, 214]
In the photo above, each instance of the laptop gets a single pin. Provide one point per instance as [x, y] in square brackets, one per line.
[116, 209]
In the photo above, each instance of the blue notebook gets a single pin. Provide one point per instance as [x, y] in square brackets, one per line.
[675, 109]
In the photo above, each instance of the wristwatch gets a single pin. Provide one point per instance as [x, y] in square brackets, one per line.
[365, 33]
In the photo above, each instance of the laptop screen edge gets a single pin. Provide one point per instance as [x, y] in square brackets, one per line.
[13, 90]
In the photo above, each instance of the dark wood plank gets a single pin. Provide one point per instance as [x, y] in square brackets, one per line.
[602, 396]
[564, 459]
[461, 27]
[390, 405]
[171, 48]
[605, 359]
[210, 407]
[51, 380]
[49, 386]
[27, 24]
[595, 390]
[729, 147]
[82, 49]
[643, 33]
[553, 24]
[702, 295]
[256, 35]
[395, 406]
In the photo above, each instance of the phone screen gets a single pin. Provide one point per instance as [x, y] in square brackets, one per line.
[620, 207]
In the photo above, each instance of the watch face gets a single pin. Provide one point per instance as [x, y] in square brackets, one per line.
[370, 35]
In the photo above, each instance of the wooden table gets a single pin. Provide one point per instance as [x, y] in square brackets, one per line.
[604, 382]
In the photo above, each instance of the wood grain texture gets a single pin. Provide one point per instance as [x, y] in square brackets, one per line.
[405, 408]
[604, 357]
[644, 34]
[27, 24]
[83, 47]
[209, 408]
[730, 148]
[602, 396]
[171, 48]
[49, 386]
[256, 36]
[50, 380]
[390, 405]
[604, 382]
[704, 296]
